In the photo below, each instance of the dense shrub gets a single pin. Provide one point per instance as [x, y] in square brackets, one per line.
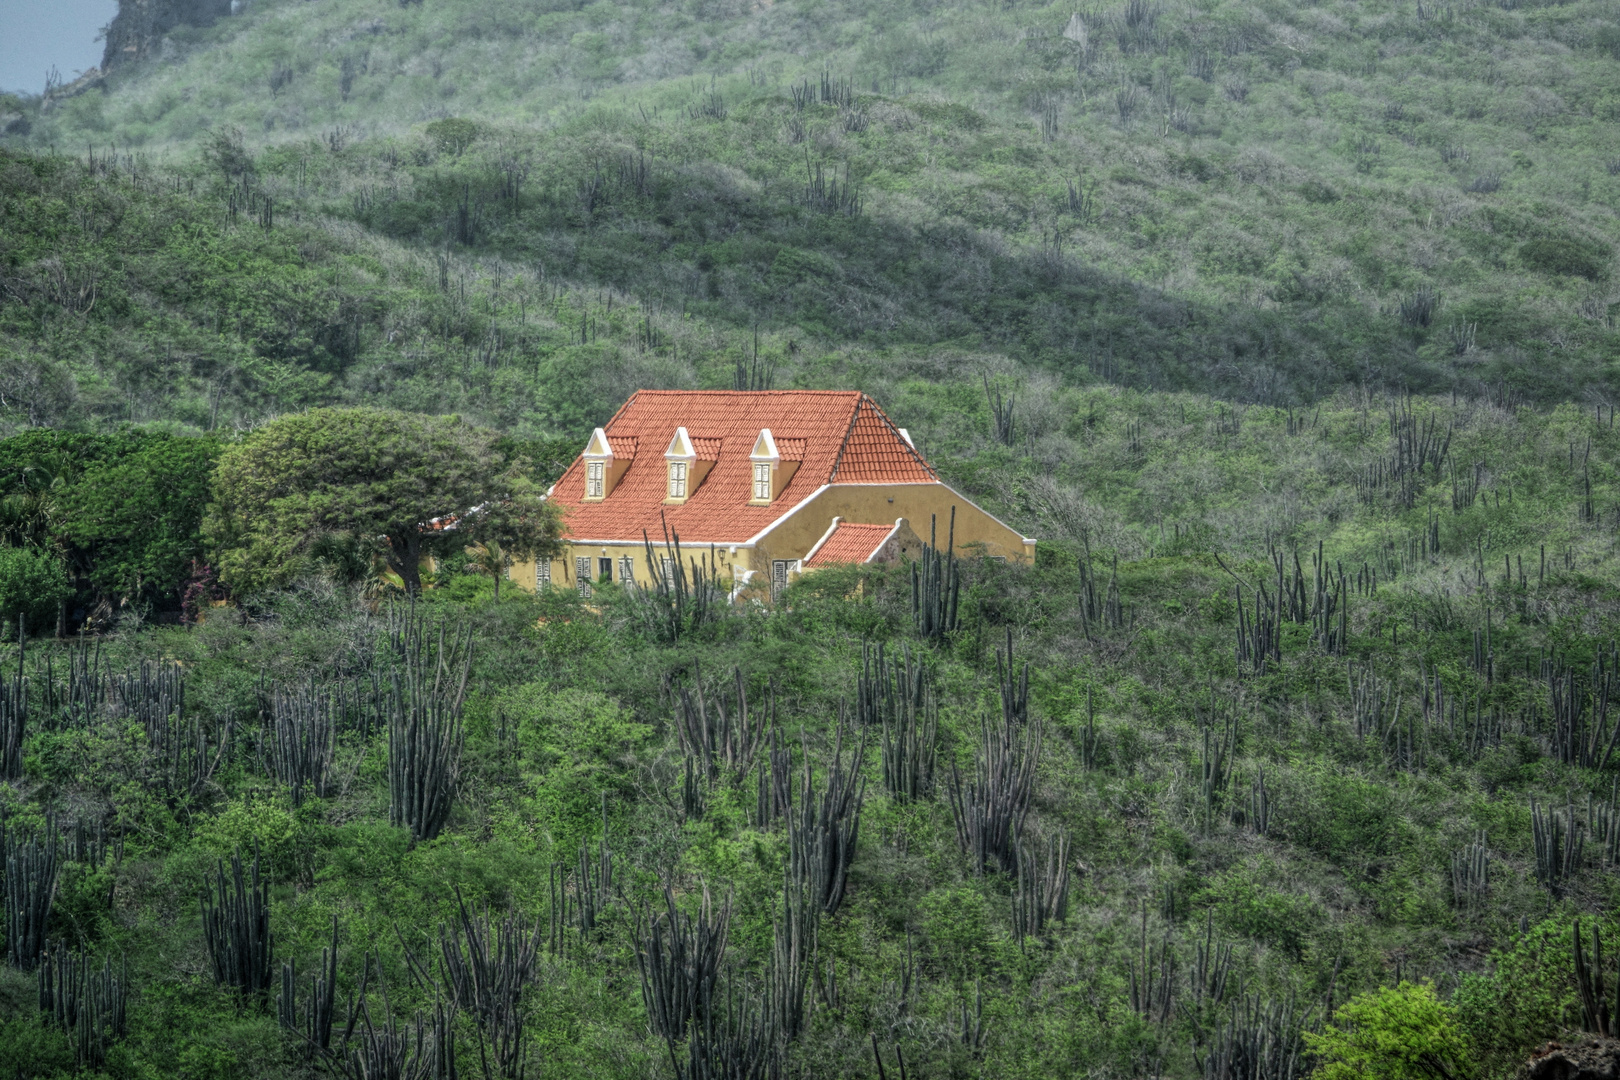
[33, 585]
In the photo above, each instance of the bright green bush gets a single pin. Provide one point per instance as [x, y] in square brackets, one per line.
[1526, 997]
[1403, 1032]
[33, 584]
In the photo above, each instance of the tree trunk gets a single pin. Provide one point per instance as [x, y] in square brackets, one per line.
[405, 556]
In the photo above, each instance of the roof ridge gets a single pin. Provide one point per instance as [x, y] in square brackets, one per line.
[854, 415]
[905, 442]
[755, 393]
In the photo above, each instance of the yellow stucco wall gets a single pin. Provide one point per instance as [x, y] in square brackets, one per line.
[880, 504]
[792, 537]
[562, 569]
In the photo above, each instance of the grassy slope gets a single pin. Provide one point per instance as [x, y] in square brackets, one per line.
[1350, 886]
[1186, 277]
[1330, 192]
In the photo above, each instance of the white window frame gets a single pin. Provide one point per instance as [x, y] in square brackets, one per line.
[762, 481]
[542, 574]
[627, 570]
[582, 574]
[678, 475]
[595, 479]
[779, 576]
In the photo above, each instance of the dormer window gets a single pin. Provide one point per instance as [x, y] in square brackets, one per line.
[770, 473]
[684, 470]
[602, 466]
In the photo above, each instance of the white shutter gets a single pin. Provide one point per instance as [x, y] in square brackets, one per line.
[582, 574]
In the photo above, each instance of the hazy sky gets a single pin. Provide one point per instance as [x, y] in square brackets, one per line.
[34, 34]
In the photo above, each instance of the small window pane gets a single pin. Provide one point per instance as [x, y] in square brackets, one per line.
[762, 482]
[677, 479]
[594, 471]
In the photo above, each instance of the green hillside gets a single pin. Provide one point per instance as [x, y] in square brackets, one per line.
[1219, 197]
[1288, 330]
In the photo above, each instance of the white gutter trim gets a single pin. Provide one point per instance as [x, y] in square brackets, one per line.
[826, 536]
[890, 535]
[806, 501]
[953, 491]
[659, 543]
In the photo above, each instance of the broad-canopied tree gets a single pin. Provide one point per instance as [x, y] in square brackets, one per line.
[411, 484]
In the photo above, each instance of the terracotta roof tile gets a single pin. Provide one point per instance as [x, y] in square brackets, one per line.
[840, 437]
[849, 543]
[875, 453]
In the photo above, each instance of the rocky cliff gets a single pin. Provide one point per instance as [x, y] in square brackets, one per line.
[137, 30]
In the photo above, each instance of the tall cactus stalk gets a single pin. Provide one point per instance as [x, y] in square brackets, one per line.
[177, 749]
[682, 596]
[424, 754]
[1558, 846]
[775, 801]
[315, 1025]
[486, 966]
[1599, 1008]
[822, 839]
[90, 1006]
[425, 1049]
[719, 739]
[792, 960]
[1470, 873]
[1153, 977]
[236, 929]
[301, 739]
[895, 699]
[13, 715]
[991, 810]
[679, 957]
[1042, 892]
[32, 864]
[936, 585]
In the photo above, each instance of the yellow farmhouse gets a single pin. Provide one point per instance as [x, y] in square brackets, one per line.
[775, 483]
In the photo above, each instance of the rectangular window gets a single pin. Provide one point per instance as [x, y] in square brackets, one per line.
[594, 471]
[604, 569]
[762, 481]
[627, 570]
[668, 566]
[542, 574]
[677, 479]
[582, 574]
[779, 569]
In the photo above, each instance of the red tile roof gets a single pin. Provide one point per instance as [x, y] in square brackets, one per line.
[841, 437]
[849, 543]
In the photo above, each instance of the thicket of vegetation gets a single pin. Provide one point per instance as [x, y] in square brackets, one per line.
[1214, 793]
[1264, 202]
[1288, 329]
